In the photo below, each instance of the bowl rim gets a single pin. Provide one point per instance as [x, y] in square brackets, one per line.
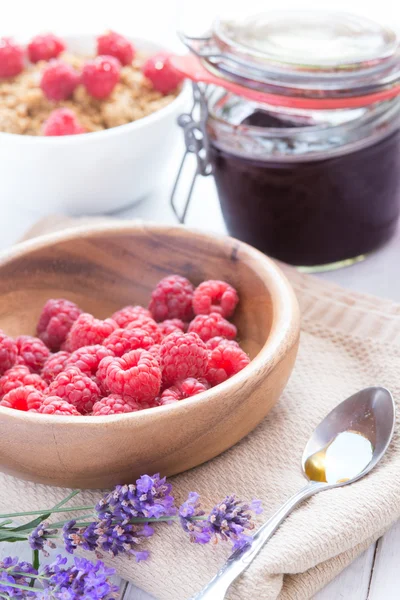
[284, 333]
[178, 102]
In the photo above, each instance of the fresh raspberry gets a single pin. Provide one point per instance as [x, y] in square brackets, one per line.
[25, 398]
[212, 325]
[54, 365]
[182, 389]
[114, 405]
[148, 325]
[88, 331]
[164, 77]
[11, 58]
[55, 321]
[215, 341]
[75, 387]
[116, 45]
[45, 47]
[224, 361]
[100, 76]
[32, 352]
[122, 341]
[128, 314]
[172, 299]
[8, 352]
[182, 355]
[59, 80]
[215, 296]
[20, 376]
[53, 405]
[87, 358]
[62, 121]
[135, 375]
[170, 325]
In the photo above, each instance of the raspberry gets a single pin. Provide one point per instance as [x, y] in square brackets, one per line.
[45, 47]
[212, 325]
[224, 361]
[25, 398]
[32, 351]
[172, 299]
[155, 351]
[116, 45]
[20, 376]
[53, 405]
[114, 405]
[75, 387]
[55, 321]
[11, 58]
[62, 121]
[148, 325]
[87, 358]
[170, 325]
[182, 355]
[100, 76]
[128, 314]
[88, 331]
[122, 341]
[164, 77]
[8, 352]
[181, 390]
[54, 365]
[215, 341]
[135, 375]
[59, 80]
[215, 296]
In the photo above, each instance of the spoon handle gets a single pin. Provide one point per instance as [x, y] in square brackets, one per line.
[240, 560]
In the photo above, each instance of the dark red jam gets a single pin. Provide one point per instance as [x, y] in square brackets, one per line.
[311, 212]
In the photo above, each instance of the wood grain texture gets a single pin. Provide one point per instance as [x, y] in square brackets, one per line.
[385, 581]
[103, 268]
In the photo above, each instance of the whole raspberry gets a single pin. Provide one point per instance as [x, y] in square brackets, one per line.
[75, 387]
[224, 361]
[215, 341]
[116, 45]
[113, 405]
[87, 358]
[128, 314]
[164, 77]
[8, 352]
[88, 331]
[182, 355]
[32, 352]
[182, 389]
[148, 325]
[62, 121]
[55, 321]
[20, 376]
[59, 80]
[215, 296]
[100, 76]
[212, 325]
[45, 47]
[53, 405]
[11, 58]
[122, 341]
[135, 375]
[25, 398]
[172, 299]
[54, 365]
[170, 325]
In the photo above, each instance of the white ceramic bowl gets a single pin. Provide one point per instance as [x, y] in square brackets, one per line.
[94, 172]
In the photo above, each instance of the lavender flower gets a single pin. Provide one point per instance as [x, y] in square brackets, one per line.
[199, 531]
[230, 518]
[73, 536]
[116, 538]
[39, 537]
[8, 569]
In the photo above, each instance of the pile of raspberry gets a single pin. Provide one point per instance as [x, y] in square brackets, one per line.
[139, 358]
[99, 75]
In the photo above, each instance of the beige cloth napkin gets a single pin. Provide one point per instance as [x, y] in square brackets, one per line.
[349, 341]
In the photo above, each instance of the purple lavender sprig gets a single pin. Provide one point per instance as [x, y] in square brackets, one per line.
[15, 572]
[40, 537]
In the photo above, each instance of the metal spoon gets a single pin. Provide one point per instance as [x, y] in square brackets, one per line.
[344, 447]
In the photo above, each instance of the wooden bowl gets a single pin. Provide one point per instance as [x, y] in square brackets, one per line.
[103, 268]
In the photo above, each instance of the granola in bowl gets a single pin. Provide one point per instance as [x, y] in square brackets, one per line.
[117, 87]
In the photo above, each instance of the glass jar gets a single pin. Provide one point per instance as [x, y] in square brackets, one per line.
[305, 154]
